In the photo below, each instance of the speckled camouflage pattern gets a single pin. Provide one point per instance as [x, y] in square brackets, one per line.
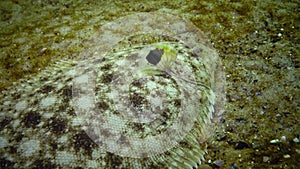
[44, 122]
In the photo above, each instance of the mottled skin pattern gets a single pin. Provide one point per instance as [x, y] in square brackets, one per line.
[40, 127]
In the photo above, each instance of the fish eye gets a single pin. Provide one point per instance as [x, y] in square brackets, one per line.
[154, 56]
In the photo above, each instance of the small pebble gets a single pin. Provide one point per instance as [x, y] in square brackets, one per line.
[266, 159]
[283, 138]
[296, 140]
[255, 145]
[219, 163]
[241, 145]
[42, 51]
[274, 141]
[278, 116]
[241, 120]
[233, 166]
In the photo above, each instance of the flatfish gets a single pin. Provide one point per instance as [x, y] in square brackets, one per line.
[145, 92]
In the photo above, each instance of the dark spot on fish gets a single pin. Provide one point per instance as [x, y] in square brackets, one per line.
[196, 52]
[4, 122]
[53, 144]
[78, 168]
[102, 105]
[165, 74]
[106, 67]
[136, 100]
[62, 108]
[43, 164]
[71, 111]
[123, 140]
[35, 102]
[16, 95]
[19, 137]
[5, 163]
[113, 161]
[116, 112]
[194, 67]
[12, 149]
[185, 144]
[67, 92]
[138, 83]
[165, 113]
[58, 126]
[105, 132]
[82, 140]
[32, 119]
[107, 78]
[154, 56]
[177, 102]
[44, 79]
[47, 89]
[138, 127]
